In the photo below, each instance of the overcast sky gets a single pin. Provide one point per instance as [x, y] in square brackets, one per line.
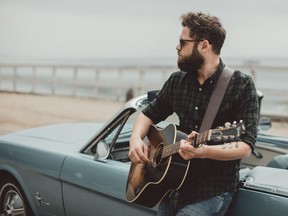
[88, 29]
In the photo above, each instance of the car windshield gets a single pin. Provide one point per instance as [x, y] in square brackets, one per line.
[173, 119]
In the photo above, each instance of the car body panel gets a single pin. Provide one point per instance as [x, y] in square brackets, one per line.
[97, 188]
[264, 192]
[35, 158]
[34, 169]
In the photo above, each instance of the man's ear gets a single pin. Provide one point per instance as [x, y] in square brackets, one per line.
[205, 44]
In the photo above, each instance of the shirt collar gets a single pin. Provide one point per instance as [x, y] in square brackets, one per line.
[213, 77]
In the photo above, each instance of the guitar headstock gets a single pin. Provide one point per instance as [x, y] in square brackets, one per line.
[229, 132]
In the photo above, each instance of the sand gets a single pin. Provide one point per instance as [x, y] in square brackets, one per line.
[22, 111]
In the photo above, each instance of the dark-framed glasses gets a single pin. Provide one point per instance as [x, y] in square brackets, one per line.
[182, 42]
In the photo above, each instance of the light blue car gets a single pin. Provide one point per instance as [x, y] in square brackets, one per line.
[81, 169]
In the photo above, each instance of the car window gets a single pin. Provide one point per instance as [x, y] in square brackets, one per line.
[118, 133]
[122, 139]
[127, 128]
[118, 139]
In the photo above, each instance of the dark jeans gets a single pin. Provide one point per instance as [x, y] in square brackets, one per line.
[215, 206]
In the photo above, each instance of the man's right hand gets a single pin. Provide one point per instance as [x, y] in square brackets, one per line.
[138, 152]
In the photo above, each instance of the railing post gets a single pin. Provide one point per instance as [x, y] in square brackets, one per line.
[0, 76]
[33, 80]
[119, 84]
[141, 78]
[96, 86]
[74, 83]
[253, 74]
[164, 77]
[53, 81]
[14, 78]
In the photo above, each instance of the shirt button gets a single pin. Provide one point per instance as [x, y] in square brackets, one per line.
[196, 126]
[196, 108]
[200, 89]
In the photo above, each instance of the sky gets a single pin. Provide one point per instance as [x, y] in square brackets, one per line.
[90, 29]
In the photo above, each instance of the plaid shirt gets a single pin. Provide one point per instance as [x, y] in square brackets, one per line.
[183, 95]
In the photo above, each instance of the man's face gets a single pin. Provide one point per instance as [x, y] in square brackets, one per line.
[189, 58]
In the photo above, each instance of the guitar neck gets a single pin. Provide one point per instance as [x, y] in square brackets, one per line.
[201, 138]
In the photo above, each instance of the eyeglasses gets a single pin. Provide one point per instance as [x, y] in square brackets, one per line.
[182, 42]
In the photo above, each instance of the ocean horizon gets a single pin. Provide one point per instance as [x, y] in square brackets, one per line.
[145, 61]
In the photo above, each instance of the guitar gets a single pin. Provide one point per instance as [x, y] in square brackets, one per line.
[149, 183]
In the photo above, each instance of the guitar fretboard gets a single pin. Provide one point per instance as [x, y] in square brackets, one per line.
[169, 150]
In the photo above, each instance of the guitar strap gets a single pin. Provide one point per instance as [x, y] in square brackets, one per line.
[216, 99]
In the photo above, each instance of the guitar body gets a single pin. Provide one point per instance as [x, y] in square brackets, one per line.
[149, 183]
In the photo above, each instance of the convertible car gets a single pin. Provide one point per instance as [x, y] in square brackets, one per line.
[81, 169]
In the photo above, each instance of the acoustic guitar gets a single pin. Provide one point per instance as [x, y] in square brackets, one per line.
[149, 183]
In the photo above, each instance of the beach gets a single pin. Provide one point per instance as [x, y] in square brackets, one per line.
[22, 111]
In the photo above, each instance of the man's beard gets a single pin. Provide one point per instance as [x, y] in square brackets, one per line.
[191, 63]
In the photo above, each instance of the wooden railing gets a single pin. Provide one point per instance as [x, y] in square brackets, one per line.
[115, 83]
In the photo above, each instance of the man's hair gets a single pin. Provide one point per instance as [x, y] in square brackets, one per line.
[203, 26]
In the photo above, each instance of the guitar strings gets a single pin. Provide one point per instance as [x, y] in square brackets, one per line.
[168, 150]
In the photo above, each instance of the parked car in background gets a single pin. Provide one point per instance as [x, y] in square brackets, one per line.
[81, 169]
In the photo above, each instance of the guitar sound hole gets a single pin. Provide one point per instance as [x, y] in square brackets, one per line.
[158, 155]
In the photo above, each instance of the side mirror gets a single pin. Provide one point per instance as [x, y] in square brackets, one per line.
[265, 123]
[102, 151]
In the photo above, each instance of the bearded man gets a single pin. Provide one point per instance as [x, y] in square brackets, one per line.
[214, 171]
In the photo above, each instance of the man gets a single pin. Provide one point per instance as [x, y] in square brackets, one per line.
[213, 173]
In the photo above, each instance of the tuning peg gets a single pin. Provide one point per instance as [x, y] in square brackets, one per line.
[218, 138]
[234, 124]
[227, 124]
[232, 137]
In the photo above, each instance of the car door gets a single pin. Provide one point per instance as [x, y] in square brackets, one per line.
[97, 187]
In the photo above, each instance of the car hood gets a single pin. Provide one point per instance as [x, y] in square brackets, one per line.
[68, 133]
